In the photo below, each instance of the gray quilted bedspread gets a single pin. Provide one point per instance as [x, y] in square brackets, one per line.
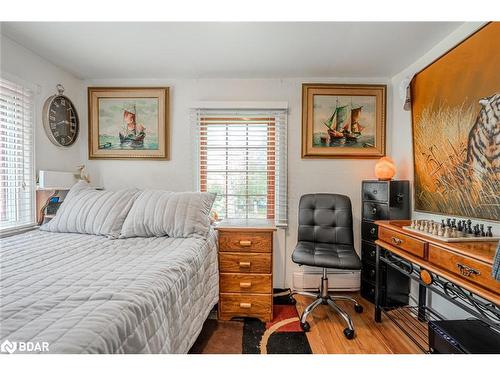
[89, 294]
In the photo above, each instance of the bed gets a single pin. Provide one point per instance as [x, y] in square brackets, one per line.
[84, 293]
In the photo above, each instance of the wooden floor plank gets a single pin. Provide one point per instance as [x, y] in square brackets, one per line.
[326, 334]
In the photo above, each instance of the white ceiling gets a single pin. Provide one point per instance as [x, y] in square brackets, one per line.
[229, 50]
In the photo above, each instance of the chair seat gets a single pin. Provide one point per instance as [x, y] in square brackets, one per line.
[326, 255]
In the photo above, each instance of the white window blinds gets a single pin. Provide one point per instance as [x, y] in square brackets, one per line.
[242, 157]
[17, 185]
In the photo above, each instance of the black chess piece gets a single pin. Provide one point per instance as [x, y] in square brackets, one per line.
[454, 223]
[448, 222]
[489, 233]
[442, 223]
[482, 230]
[476, 230]
[469, 226]
[459, 226]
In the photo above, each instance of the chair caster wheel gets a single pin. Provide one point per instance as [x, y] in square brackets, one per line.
[305, 326]
[358, 309]
[349, 333]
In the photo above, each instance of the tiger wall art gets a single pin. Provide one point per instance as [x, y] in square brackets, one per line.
[456, 129]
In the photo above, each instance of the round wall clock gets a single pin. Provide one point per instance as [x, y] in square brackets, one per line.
[60, 119]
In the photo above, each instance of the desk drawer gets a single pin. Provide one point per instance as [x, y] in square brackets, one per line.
[237, 304]
[244, 263]
[257, 242]
[402, 241]
[245, 283]
[466, 268]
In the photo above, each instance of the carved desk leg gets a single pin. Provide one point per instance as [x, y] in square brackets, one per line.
[378, 284]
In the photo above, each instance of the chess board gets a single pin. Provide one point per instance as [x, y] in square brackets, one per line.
[452, 239]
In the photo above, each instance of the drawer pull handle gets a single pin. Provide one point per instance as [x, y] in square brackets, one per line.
[244, 264]
[372, 231]
[245, 285]
[375, 191]
[467, 271]
[373, 253]
[397, 241]
[245, 243]
[374, 210]
[245, 305]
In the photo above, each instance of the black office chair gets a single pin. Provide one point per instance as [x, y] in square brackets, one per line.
[325, 240]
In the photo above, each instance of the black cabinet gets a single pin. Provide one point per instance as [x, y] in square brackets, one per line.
[382, 200]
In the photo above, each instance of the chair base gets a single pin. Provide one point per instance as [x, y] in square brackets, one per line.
[324, 298]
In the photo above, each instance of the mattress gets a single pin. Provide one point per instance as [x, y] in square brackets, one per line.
[89, 294]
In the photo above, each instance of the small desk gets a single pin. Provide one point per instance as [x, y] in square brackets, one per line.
[460, 272]
[246, 269]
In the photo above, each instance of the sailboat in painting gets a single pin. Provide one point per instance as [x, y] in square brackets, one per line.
[134, 133]
[344, 123]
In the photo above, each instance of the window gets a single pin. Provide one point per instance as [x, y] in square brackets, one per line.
[242, 158]
[17, 183]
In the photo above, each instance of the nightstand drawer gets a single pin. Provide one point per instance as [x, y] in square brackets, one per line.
[257, 242]
[375, 191]
[245, 283]
[254, 305]
[244, 263]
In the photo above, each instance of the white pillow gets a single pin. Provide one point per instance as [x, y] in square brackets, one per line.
[90, 211]
[157, 213]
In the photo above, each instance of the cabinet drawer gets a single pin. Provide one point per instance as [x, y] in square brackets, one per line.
[251, 305]
[245, 283]
[368, 272]
[375, 211]
[466, 268]
[258, 242]
[368, 252]
[244, 263]
[376, 191]
[402, 241]
[369, 231]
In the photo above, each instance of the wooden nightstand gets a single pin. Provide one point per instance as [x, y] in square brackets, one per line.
[246, 269]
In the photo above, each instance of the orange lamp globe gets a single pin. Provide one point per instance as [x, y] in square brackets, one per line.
[385, 168]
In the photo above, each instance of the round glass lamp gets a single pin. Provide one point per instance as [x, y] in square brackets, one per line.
[385, 168]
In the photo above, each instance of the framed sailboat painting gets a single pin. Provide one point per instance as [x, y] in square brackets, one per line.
[128, 122]
[343, 121]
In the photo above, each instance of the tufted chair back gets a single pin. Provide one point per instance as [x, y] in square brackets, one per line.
[325, 218]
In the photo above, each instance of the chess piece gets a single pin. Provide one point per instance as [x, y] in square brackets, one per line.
[441, 230]
[482, 230]
[459, 226]
[489, 233]
[454, 223]
[442, 223]
[448, 222]
[454, 233]
[446, 232]
[435, 229]
[469, 226]
[476, 230]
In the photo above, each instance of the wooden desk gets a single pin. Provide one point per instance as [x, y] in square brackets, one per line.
[458, 271]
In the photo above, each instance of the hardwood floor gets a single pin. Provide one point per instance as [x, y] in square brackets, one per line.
[326, 336]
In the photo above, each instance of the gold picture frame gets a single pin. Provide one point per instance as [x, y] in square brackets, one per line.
[343, 121]
[128, 123]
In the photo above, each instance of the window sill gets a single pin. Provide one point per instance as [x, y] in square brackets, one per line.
[7, 232]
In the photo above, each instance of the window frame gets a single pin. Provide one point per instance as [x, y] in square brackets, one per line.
[270, 169]
[35, 91]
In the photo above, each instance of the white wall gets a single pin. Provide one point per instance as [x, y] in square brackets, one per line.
[304, 176]
[400, 139]
[17, 61]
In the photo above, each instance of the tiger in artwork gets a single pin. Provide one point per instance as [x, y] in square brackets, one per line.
[483, 146]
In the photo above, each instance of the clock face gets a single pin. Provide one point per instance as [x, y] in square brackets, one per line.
[61, 121]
